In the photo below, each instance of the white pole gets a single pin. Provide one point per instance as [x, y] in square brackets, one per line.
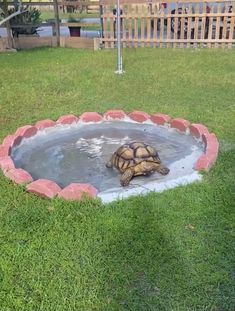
[119, 51]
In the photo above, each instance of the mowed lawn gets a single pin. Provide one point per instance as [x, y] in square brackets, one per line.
[172, 251]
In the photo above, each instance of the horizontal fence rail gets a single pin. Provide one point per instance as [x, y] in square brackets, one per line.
[169, 23]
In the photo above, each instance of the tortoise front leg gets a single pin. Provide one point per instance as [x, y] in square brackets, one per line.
[126, 177]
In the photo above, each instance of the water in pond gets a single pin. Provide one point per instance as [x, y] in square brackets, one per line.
[78, 153]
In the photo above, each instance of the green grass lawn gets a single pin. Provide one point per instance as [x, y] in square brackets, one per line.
[162, 252]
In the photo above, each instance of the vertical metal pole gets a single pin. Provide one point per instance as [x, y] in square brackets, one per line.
[119, 51]
[57, 22]
[102, 21]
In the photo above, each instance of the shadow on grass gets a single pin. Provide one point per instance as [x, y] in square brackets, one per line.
[169, 251]
[143, 263]
[154, 259]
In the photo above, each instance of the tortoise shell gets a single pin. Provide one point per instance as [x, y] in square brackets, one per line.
[132, 154]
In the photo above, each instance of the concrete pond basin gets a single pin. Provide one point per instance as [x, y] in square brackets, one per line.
[67, 158]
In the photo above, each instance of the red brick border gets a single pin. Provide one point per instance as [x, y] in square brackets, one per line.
[18, 175]
[139, 116]
[75, 191]
[12, 140]
[5, 151]
[91, 117]
[6, 164]
[180, 124]
[206, 161]
[26, 131]
[197, 130]
[160, 118]
[114, 114]
[67, 119]
[44, 188]
[41, 125]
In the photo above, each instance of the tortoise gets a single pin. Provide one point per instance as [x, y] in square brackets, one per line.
[134, 159]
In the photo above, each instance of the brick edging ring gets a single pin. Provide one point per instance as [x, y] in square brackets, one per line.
[75, 191]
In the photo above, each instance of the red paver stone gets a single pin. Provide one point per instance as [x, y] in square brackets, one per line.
[67, 119]
[4, 151]
[160, 118]
[139, 116]
[40, 125]
[205, 137]
[212, 146]
[6, 164]
[204, 163]
[18, 175]
[90, 117]
[114, 114]
[197, 130]
[9, 140]
[26, 131]
[12, 141]
[211, 142]
[44, 188]
[17, 140]
[180, 124]
[75, 191]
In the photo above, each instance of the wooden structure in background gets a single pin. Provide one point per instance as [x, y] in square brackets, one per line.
[25, 42]
[153, 23]
[30, 42]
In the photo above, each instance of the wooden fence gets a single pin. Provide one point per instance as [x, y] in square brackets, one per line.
[151, 23]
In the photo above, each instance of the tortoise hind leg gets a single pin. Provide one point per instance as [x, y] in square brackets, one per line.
[126, 177]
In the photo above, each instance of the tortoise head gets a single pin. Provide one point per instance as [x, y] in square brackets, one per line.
[162, 169]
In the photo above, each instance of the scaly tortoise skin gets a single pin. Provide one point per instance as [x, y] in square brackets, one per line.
[136, 158]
